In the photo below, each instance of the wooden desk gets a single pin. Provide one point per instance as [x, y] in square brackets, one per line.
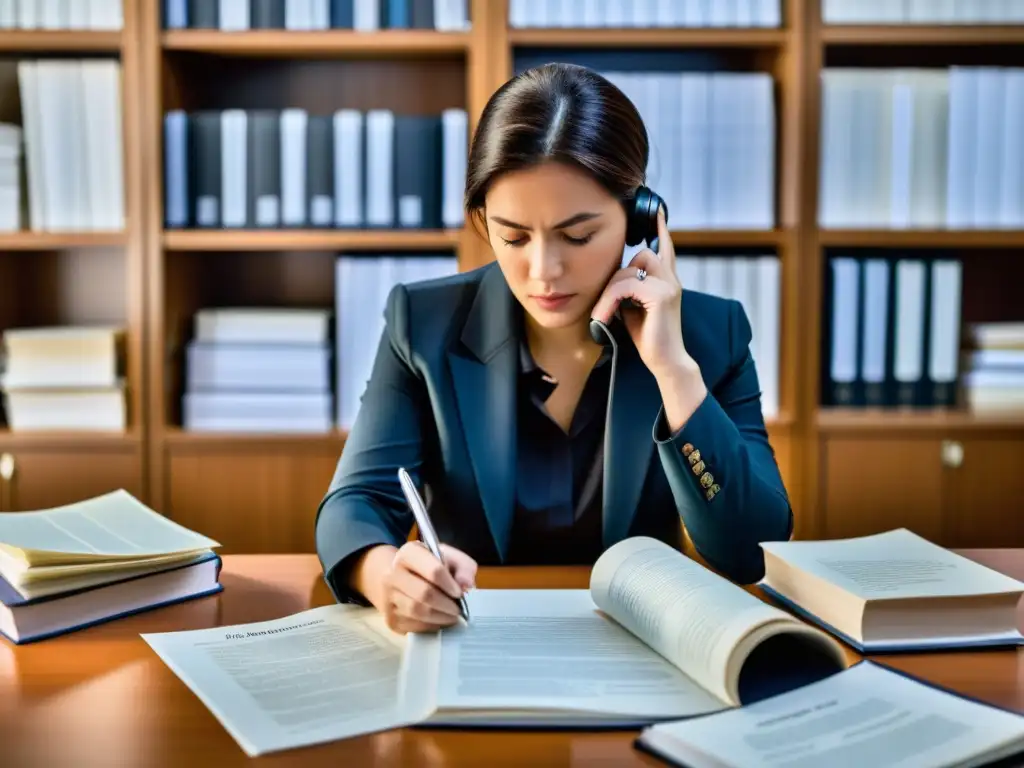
[101, 697]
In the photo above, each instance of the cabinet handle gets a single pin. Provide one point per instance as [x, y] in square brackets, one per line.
[952, 453]
[6, 466]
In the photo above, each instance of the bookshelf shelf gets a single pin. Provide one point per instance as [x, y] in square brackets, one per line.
[922, 238]
[62, 440]
[55, 241]
[59, 41]
[703, 37]
[219, 441]
[386, 44]
[836, 420]
[914, 35]
[727, 238]
[308, 240]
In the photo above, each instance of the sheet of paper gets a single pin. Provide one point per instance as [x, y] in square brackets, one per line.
[543, 649]
[893, 564]
[865, 716]
[317, 676]
[691, 616]
[114, 525]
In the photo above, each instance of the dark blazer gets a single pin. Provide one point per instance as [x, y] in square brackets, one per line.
[441, 402]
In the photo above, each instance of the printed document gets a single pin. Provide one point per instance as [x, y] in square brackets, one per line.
[317, 676]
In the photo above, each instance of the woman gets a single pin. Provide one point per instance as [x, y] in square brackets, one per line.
[490, 390]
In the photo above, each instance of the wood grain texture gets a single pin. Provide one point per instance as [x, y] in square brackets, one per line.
[43, 41]
[81, 698]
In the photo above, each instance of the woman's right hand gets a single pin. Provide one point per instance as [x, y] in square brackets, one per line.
[416, 592]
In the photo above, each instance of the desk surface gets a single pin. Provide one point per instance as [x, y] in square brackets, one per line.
[102, 697]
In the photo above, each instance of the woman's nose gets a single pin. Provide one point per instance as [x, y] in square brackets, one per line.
[545, 261]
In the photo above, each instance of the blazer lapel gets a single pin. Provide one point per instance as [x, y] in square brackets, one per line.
[485, 390]
[633, 404]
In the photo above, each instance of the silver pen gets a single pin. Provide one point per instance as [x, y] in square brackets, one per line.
[426, 528]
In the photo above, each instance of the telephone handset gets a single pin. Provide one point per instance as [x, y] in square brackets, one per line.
[641, 225]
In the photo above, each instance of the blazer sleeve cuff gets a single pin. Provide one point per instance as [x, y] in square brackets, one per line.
[341, 539]
[698, 449]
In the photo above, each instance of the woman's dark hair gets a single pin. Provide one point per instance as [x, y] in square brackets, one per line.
[561, 112]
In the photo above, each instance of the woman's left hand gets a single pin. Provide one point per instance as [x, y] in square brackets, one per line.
[655, 323]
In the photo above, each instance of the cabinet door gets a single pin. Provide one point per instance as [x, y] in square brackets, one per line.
[45, 478]
[253, 501]
[872, 484]
[985, 487]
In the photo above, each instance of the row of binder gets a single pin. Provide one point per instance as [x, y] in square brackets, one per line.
[892, 331]
[288, 168]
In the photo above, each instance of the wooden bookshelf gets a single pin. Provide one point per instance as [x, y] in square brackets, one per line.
[948, 474]
[70, 277]
[847, 470]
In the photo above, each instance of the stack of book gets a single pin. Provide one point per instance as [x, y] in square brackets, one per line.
[64, 378]
[994, 382]
[75, 566]
[259, 370]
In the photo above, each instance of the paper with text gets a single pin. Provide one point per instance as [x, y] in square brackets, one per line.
[114, 525]
[320, 675]
[894, 564]
[692, 617]
[864, 716]
[550, 649]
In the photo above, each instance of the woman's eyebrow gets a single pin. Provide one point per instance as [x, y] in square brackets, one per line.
[577, 218]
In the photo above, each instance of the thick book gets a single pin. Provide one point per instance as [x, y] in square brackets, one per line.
[95, 560]
[656, 637]
[894, 591]
[25, 620]
[867, 715]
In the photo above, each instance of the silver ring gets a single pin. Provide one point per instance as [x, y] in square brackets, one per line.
[641, 274]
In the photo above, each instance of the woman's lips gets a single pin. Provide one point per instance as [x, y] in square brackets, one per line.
[553, 301]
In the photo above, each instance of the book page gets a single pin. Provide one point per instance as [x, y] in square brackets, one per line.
[537, 649]
[690, 615]
[866, 715]
[112, 526]
[317, 676]
[895, 564]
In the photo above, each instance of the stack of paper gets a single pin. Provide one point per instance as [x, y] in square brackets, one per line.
[74, 566]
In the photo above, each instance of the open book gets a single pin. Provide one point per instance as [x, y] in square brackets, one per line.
[894, 591]
[656, 637]
[866, 715]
